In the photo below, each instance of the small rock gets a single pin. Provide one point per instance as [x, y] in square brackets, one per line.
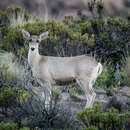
[100, 91]
[125, 90]
[101, 97]
[2, 116]
[117, 101]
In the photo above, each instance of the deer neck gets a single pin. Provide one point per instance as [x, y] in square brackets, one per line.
[33, 57]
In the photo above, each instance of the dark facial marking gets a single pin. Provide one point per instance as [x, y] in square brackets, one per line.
[30, 40]
[37, 41]
[32, 48]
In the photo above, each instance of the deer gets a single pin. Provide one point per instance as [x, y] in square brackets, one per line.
[83, 69]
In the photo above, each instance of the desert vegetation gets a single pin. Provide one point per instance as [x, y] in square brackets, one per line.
[106, 38]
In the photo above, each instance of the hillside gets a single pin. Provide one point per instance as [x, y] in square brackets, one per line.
[56, 9]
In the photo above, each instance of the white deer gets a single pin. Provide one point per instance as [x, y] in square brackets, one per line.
[48, 69]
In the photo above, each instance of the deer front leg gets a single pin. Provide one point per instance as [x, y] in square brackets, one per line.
[47, 94]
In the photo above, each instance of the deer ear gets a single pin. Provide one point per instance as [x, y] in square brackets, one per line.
[25, 34]
[43, 35]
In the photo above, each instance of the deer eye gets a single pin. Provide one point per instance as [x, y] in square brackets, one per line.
[30, 40]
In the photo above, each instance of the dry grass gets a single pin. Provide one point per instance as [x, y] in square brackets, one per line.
[9, 60]
[20, 20]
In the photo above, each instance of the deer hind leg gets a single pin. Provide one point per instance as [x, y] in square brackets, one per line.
[84, 84]
[93, 96]
[92, 82]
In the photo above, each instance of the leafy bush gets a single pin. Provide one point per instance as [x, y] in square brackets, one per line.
[7, 126]
[11, 126]
[112, 76]
[8, 96]
[105, 79]
[110, 119]
[13, 40]
[91, 128]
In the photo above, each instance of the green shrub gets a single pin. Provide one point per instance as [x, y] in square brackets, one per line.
[110, 119]
[13, 41]
[8, 126]
[25, 128]
[111, 76]
[105, 79]
[3, 18]
[11, 126]
[11, 95]
[92, 128]
[7, 96]
[36, 27]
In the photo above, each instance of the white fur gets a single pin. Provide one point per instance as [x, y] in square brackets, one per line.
[96, 72]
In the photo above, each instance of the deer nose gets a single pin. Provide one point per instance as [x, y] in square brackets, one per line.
[32, 48]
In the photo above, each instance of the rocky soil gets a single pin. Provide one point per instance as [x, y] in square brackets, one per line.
[119, 99]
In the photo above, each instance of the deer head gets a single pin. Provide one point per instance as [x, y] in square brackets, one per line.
[34, 40]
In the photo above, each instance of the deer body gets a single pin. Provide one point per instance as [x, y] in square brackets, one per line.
[48, 69]
[61, 68]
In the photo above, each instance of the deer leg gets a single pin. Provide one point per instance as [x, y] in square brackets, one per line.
[93, 96]
[90, 92]
[91, 83]
[84, 84]
[90, 99]
[47, 93]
